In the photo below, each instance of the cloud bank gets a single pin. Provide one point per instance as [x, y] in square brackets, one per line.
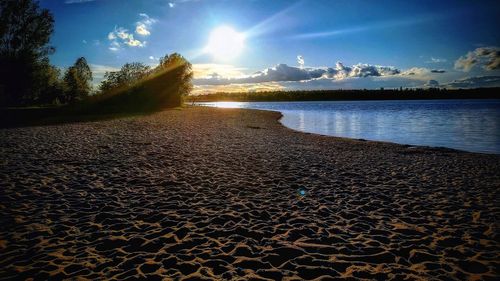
[283, 73]
[285, 77]
[486, 57]
[475, 82]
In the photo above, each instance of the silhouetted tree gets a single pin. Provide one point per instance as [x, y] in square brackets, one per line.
[135, 87]
[25, 31]
[129, 74]
[181, 70]
[77, 81]
[53, 91]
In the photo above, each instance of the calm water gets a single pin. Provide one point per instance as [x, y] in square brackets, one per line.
[472, 125]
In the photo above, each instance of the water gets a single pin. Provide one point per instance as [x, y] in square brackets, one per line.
[471, 125]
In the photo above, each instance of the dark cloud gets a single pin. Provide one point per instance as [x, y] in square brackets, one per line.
[438, 70]
[475, 82]
[432, 84]
[486, 57]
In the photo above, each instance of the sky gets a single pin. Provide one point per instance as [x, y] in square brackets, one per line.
[254, 45]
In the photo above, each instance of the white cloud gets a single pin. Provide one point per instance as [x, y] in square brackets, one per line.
[436, 60]
[122, 33]
[300, 61]
[101, 69]
[422, 73]
[475, 82]
[372, 82]
[141, 29]
[121, 36]
[171, 5]
[283, 72]
[418, 71]
[114, 46]
[135, 43]
[207, 70]
[227, 78]
[143, 26]
[98, 71]
[111, 35]
[216, 78]
[486, 57]
[234, 88]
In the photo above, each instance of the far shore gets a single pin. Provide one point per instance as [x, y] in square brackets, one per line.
[350, 95]
[231, 194]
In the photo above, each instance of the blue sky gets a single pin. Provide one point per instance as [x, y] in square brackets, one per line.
[458, 38]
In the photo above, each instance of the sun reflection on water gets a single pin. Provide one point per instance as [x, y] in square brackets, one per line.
[224, 104]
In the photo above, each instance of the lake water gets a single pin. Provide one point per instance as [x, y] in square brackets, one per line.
[471, 125]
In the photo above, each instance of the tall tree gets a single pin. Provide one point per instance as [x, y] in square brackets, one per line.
[179, 70]
[52, 91]
[77, 80]
[25, 31]
[129, 74]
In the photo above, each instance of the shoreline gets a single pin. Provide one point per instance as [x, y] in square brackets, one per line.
[234, 194]
[280, 120]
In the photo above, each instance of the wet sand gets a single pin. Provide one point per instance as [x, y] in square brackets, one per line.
[204, 193]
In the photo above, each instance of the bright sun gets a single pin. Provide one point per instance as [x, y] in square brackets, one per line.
[225, 43]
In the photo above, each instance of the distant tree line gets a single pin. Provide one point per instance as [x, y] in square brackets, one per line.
[28, 78]
[380, 94]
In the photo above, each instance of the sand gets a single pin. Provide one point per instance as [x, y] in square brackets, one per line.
[228, 194]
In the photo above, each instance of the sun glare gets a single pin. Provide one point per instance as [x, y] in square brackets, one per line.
[225, 43]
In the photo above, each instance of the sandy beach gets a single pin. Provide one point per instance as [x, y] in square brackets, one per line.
[229, 194]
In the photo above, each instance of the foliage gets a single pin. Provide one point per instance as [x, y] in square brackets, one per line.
[179, 69]
[53, 91]
[25, 31]
[136, 87]
[28, 78]
[77, 81]
[129, 74]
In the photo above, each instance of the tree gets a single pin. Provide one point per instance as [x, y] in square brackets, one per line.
[176, 71]
[52, 91]
[77, 81]
[129, 74]
[135, 87]
[25, 31]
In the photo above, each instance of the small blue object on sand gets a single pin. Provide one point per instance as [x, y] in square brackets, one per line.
[302, 192]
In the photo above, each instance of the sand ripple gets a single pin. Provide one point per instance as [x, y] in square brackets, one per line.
[231, 194]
